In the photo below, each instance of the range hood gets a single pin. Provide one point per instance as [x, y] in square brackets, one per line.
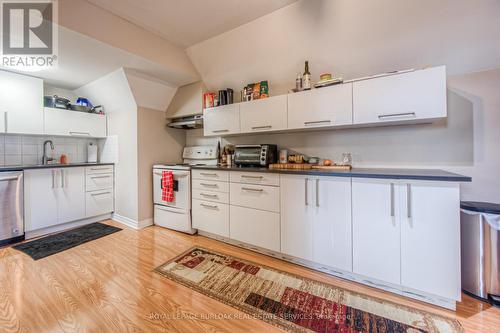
[191, 122]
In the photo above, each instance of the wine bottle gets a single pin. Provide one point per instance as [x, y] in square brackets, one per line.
[306, 78]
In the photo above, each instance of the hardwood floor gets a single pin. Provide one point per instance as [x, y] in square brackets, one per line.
[108, 285]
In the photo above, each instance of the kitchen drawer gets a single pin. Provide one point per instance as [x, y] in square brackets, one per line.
[222, 176]
[255, 196]
[99, 203]
[99, 181]
[211, 196]
[211, 217]
[255, 178]
[99, 169]
[208, 185]
[255, 227]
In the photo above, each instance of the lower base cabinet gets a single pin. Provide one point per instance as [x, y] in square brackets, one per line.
[98, 203]
[211, 217]
[316, 219]
[407, 233]
[256, 227]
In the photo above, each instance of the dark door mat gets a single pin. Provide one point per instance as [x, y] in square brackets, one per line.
[53, 244]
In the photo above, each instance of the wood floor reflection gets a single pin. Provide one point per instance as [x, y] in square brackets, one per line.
[108, 285]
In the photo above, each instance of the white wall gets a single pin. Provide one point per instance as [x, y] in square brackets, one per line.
[113, 92]
[356, 38]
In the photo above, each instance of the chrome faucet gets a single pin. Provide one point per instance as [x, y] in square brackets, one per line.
[45, 158]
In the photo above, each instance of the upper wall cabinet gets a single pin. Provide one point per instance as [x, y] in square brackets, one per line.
[324, 107]
[263, 115]
[222, 120]
[73, 123]
[412, 96]
[21, 104]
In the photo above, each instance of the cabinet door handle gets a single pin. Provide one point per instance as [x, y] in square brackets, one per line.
[306, 194]
[209, 206]
[62, 179]
[209, 185]
[319, 122]
[252, 177]
[393, 213]
[220, 131]
[252, 189]
[53, 179]
[94, 177]
[317, 192]
[408, 200]
[261, 127]
[6, 121]
[209, 195]
[79, 133]
[391, 115]
[208, 174]
[96, 194]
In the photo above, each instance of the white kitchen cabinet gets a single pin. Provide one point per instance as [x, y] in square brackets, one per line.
[316, 219]
[73, 123]
[413, 96]
[331, 222]
[21, 100]
[211, 217]
[53, 196]
[264, 115]
[40, 198]
[3, 115]
[71, 196]
[323, 107]
[222, 120]
[296, 211]
[99, 202]
[430, 237]
[407, 233]
[255, 227]
[376, 229]
[255, 196]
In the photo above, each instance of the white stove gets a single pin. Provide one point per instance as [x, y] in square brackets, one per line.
[177, 214]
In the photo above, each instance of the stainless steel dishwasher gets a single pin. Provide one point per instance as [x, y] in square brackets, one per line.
[11, 206]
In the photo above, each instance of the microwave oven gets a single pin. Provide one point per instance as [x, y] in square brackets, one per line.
[255, 155]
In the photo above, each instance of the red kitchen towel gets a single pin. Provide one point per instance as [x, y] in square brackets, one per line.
[167, 186]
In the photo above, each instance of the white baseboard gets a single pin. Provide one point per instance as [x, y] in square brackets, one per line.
[65, 226]
[132, 223]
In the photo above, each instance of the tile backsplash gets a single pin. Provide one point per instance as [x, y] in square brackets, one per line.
[28, 150]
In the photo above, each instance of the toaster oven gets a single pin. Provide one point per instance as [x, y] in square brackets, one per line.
[255, 155]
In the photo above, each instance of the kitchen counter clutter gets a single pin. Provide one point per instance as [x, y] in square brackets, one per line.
[382, 173]
[393, 229]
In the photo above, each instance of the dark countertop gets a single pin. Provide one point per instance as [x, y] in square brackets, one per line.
[383, 173]
[49, 166]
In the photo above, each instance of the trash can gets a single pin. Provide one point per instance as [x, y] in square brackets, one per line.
[480, 250]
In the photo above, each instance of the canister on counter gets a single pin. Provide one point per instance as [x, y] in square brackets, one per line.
[283, 156]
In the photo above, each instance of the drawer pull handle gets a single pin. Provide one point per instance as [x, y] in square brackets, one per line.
[80, 133]
[252, 177]
[406, 114]
[209, 185]
[208, 174]
[96, 194]
[319, 122]
[96, 169]
[262, 127]
[252, 189]
[93, 177]
[209, 195]
[209, 206]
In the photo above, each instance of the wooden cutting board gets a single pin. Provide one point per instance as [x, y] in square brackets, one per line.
[291, 166]
[331, 167]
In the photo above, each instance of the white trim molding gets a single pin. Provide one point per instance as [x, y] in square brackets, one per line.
[132, 223]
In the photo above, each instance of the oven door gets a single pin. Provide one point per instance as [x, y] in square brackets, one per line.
[182, 189]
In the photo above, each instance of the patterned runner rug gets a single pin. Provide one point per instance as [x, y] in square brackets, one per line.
[295, 303]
